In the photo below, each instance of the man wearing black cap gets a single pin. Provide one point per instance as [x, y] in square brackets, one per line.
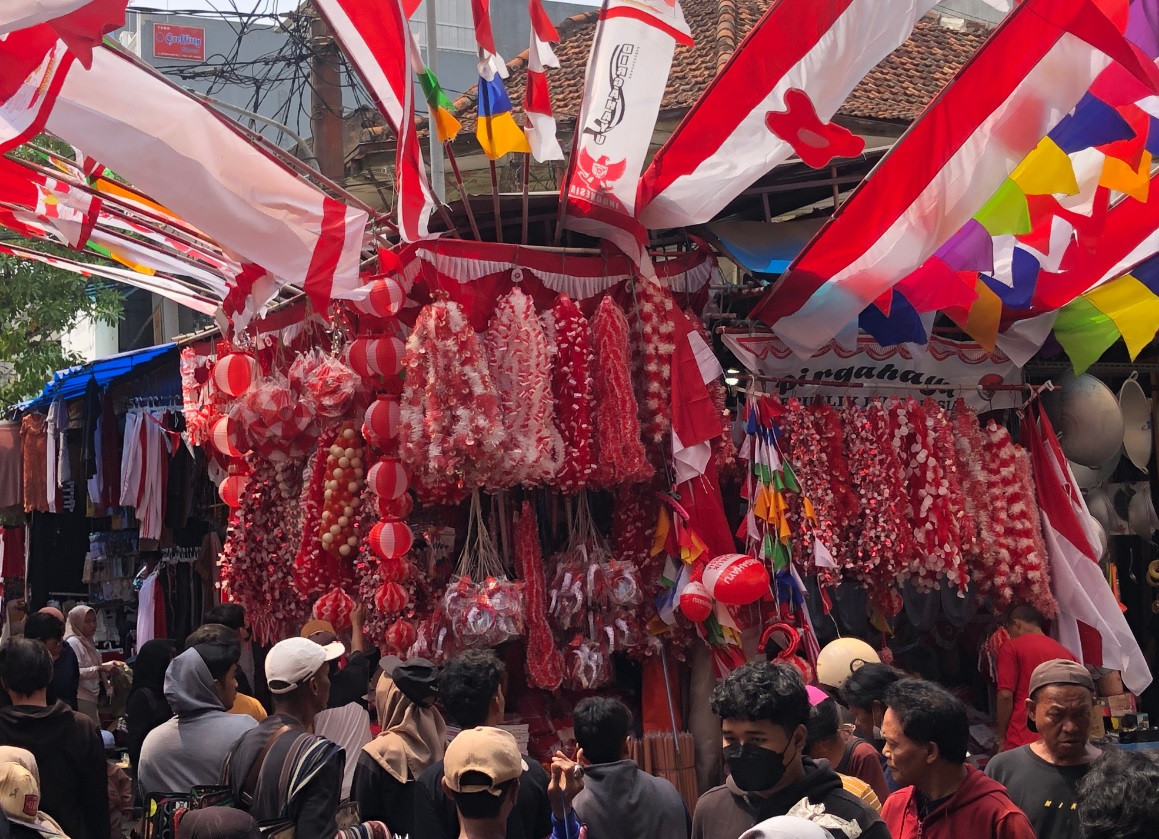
[1043, 777]
[412, 738]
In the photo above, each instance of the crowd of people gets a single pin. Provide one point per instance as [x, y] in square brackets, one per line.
[883, 754]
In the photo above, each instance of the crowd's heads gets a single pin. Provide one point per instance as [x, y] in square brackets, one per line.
[417, 678]
[602, 725]
[924, 724]
[918, 661]
[231, 615]
[218, 647]
[471, 688]
[824, 724]
[1023, 619]
[481, 770]
[1119, 797]
[1062, 694]
[25, 667]
[82, 620]
[864, 694]
[298, 673]
[47, 629]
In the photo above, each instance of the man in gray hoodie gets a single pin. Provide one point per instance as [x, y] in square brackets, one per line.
[619, 798]
[200, 684]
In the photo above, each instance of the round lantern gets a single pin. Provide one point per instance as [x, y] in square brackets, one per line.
[225, 435]
[382, 420]
[394, 570]
[383, 299]
[391, 539]
[736, 579]
[401, 636]
[391, 598]
[234, 373]
[370, 357]
[334, 606]
[696, 602]
[388, 478]
[232, 488]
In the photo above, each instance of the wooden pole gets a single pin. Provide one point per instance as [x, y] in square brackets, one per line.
[484, 92]
[326, 100]
[463, 196]
[526, 180]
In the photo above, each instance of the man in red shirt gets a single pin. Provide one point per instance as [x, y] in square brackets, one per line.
[1027, 648]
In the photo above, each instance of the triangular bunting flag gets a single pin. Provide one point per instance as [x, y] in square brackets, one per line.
[1006, 213]
[1046, 171]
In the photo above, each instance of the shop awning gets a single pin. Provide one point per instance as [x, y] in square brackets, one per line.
[764, 248]
[71, 383]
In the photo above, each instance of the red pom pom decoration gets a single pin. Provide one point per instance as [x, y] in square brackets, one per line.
[696, 602]
[234, 373]
[394, 570]
[384, 299]
[391, 539]
[391, 598]
[388, 478]
[231, 489]
[382, 419]
[225, 435]
[335, 606]
[370, 357]
[401, 636]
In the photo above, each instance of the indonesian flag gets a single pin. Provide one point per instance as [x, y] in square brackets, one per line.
[537, 99]
[626, 77]
[1090, 623]
[377, 38]
[79, 23]
[726, 142]
[491, 63]
[185, 156]
[1031, 73]
[51, 200]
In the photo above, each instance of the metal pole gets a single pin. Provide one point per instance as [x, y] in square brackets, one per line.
[438, 176]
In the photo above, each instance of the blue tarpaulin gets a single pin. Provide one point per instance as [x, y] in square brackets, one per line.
[71, 383]
[765, 248]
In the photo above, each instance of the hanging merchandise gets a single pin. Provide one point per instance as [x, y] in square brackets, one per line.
[384, 298]
[382, 420]
[234, 373]
[452, 435]
[572, 389]
[232, 489]
[374, 357]
[544, 662]
[335, 607]
[653, 347]
[621, 456]
[329, 388]
[520, 361]
[275, 419]
[227, 436]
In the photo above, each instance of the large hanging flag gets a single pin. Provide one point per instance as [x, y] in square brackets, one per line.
[1031, 73]
[626, 78]
[79, 23]
[747, 122]
[376, 37]
[195, 162]
[537, 99]
[490, 62]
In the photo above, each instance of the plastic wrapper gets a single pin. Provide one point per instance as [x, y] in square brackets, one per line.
[485, 614]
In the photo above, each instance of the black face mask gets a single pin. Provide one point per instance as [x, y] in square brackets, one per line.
[753, 768]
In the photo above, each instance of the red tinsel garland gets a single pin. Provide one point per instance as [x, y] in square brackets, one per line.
[544, 662]
[622, 459]
[987, 569]
[656, 331]
[572, 388]
[967, 527]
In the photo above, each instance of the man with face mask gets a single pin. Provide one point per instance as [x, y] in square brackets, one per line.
[1043, 778]
[764, 711]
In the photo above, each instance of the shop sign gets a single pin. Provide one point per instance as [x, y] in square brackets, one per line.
[184, 42]
[943, 371]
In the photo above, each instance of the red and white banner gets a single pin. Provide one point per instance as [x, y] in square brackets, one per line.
[375, 35]
[79, 23]
[185, 156]
[49, 198]
[537, 98]
[725, 144]
[1030, 73]
[626, 77]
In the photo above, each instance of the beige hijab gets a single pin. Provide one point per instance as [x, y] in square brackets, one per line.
[412, 736]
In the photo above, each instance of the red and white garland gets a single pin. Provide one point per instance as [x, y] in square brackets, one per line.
[544, 662]
[656, 310]
[622, 459]
[572, 388]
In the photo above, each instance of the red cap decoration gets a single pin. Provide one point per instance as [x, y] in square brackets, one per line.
[388, 478]
[382, 420]
[391, 539]
[334, 606]
[384, 299]
[234, 373]
[391, 598]
[370, 357]
[696, 602]
[736, 579]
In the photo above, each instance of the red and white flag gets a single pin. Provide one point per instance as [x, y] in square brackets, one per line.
[726, 143]
[79, 23]
[375, 35]
[491, 63]
[50, 200]
[537, 99]
[1031, 73]
[182, 154]
[626, 77]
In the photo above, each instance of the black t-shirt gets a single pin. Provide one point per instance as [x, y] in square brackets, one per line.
[436, 818]
[350, 683]
[1045, 792]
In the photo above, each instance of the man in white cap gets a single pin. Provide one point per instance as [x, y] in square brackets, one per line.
[307, 792]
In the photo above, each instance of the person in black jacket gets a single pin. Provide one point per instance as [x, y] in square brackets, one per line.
[67, 746]
[147, 706]
[412, 738]
[48, 629]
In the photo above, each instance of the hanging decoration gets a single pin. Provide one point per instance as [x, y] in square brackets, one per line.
[622, 459]
[544, 661]
[573, 391]
[234, 373]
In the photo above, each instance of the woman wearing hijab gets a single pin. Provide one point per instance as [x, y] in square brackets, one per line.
[147, 706]
[412, 738]
[80, 628]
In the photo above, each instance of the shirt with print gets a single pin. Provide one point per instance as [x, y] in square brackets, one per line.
[1048, 794]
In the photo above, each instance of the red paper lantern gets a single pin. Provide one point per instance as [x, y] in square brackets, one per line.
[736, 579]
[391, 539]
[384, 298]
[391, 598]
[234, 373]
[334, 606]
[382, 420]
[388, 478]
[225, 435]
[394, 570]
[232, 488]
[370, 357]
[401, 636]
[696, 602]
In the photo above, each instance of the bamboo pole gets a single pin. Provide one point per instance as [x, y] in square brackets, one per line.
[463, 195]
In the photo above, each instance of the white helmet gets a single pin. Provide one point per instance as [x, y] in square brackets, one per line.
[840, 658]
